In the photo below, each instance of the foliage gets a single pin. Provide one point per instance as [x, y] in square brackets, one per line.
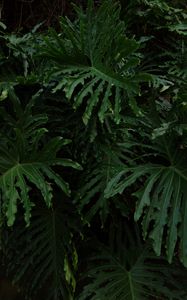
[93, 144]
[126, 269]
[44, 252]
[96, 179]
[95, 62]
[163, 193]
[26, 159]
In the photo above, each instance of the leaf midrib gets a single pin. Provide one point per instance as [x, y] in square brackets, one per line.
[18, 165]
[131, 285]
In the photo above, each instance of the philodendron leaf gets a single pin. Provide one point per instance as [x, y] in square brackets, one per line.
[95, 63]
[127, 270]
[43, 252]
[26, 163]
[161, 203]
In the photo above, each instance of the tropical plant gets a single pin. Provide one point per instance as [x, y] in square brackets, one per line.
[44, 252]
[95, 62]
[127, 269]
[27, 156]
[161, 200]
[93, 144]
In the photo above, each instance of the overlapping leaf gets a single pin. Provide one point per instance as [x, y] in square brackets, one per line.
[96, 63]
[161, 198]
[27, 158]
[90, 197]
[127, 270]
[41, 253]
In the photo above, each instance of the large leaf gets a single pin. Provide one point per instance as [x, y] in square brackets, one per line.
[161, 195]
[127, 270]
[90, 196]
[27, 158]
[42, 256]
[95, 62]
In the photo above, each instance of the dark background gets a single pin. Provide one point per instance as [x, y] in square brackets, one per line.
[25, 14]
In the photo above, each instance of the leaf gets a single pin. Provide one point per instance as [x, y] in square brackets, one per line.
[90, 197]
[42, 252]
[160, 194]
[179, 28]
[4, 95]
[26, 163]
[127, 269]
[96, 62]
[3, 25]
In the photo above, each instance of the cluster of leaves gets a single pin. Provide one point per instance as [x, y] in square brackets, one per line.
[94, 136]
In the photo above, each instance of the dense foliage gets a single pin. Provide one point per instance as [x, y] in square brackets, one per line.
[93, 154]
